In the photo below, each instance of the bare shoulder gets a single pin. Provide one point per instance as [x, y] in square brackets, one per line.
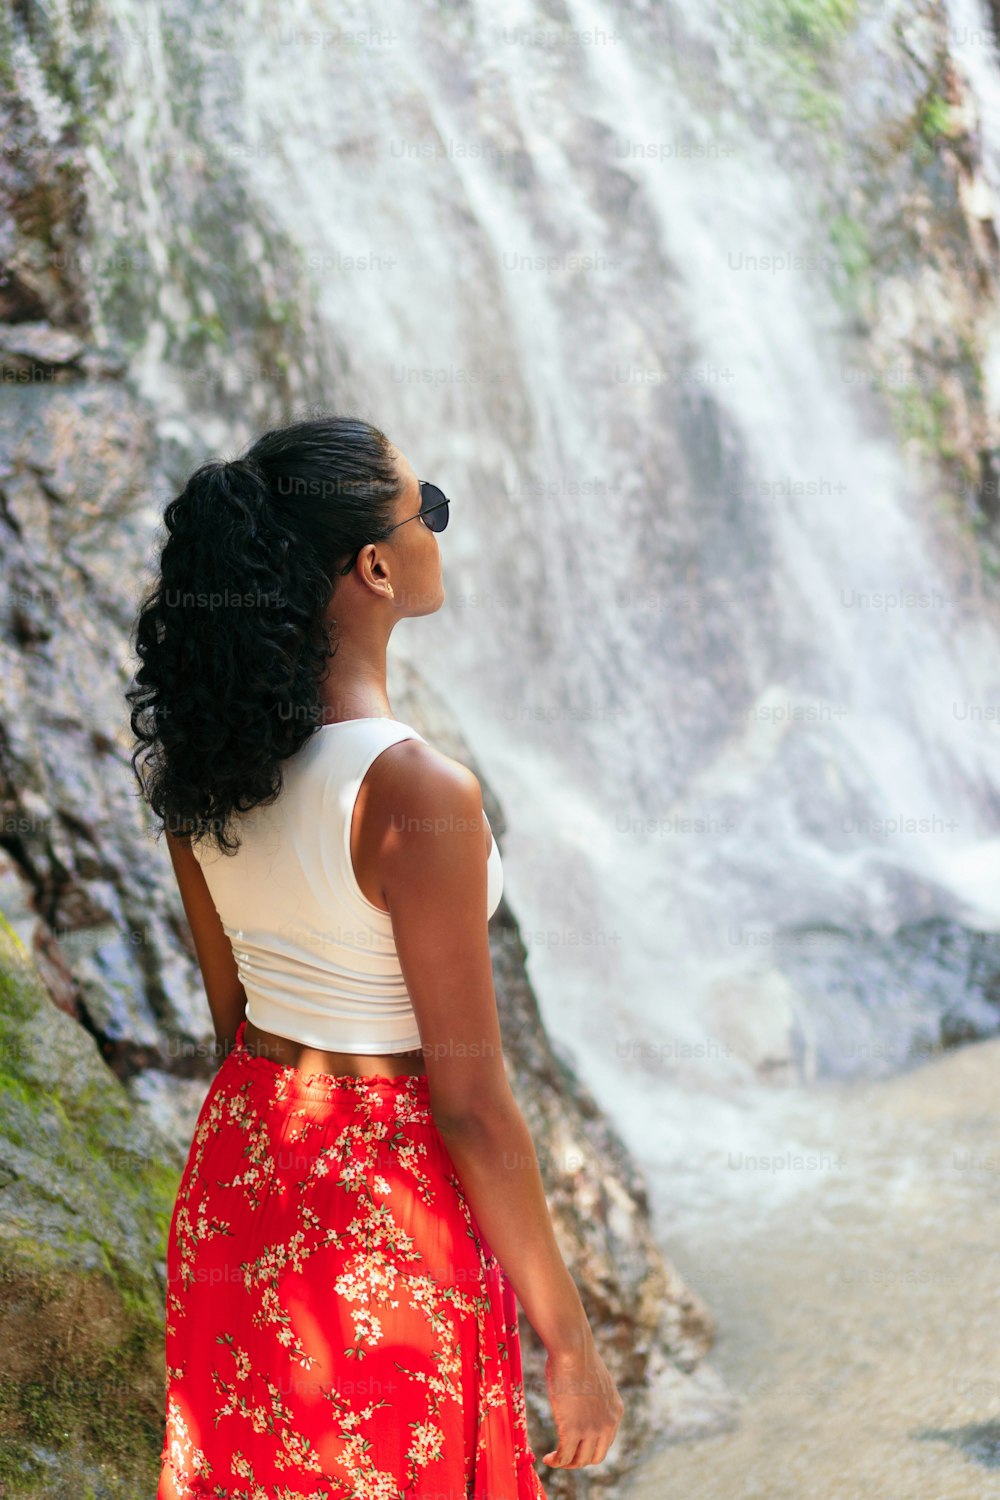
[420, 776]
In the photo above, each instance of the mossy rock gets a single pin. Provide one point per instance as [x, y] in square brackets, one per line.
[86, 1193]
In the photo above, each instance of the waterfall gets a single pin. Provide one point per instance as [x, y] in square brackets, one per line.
[724, 665]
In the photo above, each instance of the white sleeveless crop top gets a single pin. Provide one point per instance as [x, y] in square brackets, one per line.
[316, 958]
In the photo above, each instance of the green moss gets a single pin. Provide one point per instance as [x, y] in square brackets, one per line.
[934, 119]
[810, 25]
[919, 417]
[991, 564]
[205, 330]
[6, 49]
[851, 249]
[83, 1221]
[795, 41]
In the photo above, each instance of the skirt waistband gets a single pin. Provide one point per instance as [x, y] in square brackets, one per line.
[328, 1085]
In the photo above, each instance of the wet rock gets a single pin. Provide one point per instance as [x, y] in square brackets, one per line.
[33, 346]
[913, 176]
[86, 1192]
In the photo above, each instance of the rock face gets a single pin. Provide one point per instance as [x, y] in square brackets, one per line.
[106, 1021]
[894, 156]
[86, 1189]
[915, 183]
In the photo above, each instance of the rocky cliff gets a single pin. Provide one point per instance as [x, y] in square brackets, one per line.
[875, 105]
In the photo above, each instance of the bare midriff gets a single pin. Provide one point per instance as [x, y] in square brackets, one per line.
[292, 1054]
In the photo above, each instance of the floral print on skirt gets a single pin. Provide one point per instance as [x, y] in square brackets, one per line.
[337, 1325]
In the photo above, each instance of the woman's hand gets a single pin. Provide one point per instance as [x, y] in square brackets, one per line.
[586, 1407]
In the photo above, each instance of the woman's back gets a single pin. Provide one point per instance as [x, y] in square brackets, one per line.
[316, 957]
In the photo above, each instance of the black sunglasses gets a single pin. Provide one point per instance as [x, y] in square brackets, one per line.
[432, 501]
[433, 512]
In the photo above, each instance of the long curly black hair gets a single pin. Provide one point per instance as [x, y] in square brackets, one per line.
[232, 639]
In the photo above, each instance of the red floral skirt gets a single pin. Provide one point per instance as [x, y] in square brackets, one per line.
[337, 1325]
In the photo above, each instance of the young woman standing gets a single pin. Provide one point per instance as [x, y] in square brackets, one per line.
[361, 1207]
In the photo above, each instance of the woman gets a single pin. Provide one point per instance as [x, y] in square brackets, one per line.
[361, 1204]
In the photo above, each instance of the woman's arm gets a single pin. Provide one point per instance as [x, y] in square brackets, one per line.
[226, 995]
[427, 839]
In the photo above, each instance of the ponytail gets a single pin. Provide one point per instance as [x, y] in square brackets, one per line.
[232, 639]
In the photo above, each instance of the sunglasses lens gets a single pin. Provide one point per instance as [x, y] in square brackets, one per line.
[434, 506]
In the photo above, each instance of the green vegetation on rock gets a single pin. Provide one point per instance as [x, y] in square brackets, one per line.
[934, 124]
[795, 42]
[852, 253]
[813, 25]
[86, 1194]
[919, 417]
